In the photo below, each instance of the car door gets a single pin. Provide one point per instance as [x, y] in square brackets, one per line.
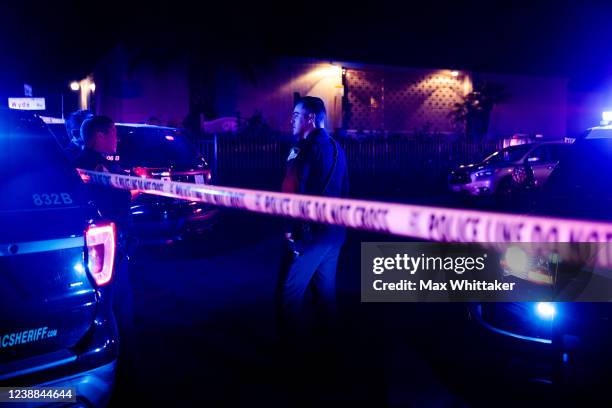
[542, 163]
[557, 153]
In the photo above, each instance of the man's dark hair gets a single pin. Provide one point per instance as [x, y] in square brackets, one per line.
[312, 104]
[90, 127]
[74, 122]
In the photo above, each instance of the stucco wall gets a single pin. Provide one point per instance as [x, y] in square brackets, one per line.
[269, 88]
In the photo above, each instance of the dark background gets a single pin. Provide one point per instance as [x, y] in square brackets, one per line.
[204, 312]
[58, 41]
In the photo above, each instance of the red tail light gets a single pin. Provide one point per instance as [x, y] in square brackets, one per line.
[101, 252]
[142, 172]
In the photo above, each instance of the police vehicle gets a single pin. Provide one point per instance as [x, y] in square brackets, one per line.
[505, 171]
[57, 265]
[560, 346]
[164, 153]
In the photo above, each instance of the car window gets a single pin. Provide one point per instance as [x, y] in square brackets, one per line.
[36, 173]
[557, 151]
[549, 153]
[60, 133]
[542, 153]
[599, 133]
[509, 154]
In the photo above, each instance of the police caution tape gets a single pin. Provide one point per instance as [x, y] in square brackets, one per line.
[421, 222]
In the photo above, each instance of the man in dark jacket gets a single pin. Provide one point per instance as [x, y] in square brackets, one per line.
[315, 166]
[99, 135]
[100, 154]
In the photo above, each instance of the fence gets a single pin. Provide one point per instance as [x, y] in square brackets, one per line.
[377, 168]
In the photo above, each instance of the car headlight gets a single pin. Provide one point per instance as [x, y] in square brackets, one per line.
[483, 173]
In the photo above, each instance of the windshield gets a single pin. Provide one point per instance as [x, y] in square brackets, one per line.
[154, 147]
[60, 133]
[508, 155]
[598, 133]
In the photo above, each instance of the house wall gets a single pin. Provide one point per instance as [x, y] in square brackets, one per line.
[404, 100]
[131, 88]
[268, 88]
[392, 99]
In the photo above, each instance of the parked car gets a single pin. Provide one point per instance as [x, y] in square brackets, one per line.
[507, 170]
[57, 269]
[560, 345]
[164, 153]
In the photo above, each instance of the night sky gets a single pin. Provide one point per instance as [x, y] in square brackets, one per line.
[61, 41]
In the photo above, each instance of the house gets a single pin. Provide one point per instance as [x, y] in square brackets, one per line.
[170, 89]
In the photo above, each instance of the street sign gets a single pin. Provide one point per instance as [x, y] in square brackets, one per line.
[27, 103]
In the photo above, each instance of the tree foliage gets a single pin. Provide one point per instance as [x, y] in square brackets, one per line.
[474, 111]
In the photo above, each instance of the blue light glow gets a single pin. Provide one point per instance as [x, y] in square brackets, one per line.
[546, 310]
[78, 267]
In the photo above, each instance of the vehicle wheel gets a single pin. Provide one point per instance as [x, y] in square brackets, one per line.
[519, 175]
[523, 177]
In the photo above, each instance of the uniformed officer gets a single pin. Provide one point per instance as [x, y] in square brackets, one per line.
[315, 166]
[99, 135]
[100, 154]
